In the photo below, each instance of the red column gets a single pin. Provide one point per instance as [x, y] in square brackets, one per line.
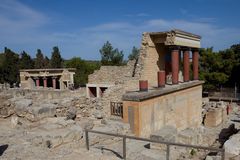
[175, 65]
[143, 85]
[45, 82]
[195, 64]
[37, 82]
[186, 66]
[161, 79]
[54, 82]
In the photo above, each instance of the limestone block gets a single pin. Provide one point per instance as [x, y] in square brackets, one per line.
[189, 136]
[232, 146]
[22, 106]
[214, 117]
[45, 110]
[213, 158]
[14, 121]
[166, 133]
[75, 134]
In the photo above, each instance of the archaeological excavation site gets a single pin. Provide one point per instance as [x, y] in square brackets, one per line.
[152, 108]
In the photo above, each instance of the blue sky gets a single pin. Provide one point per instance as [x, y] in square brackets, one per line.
[80, 28]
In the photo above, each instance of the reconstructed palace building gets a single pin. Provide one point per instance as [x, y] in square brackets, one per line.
[57, 78]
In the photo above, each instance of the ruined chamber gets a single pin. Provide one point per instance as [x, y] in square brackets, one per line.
[174, 93]
[55, 78]
[158, 89]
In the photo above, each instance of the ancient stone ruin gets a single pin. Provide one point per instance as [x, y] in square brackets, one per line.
[167, 94]
[157, 96]
[58, 78]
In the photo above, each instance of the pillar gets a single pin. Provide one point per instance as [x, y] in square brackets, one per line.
[54, 82]
[186, 65]
[195, 64]
[143, 85]
[45, 82]
[37, 82]
[161, 79]
[98, 92]
[175, 65]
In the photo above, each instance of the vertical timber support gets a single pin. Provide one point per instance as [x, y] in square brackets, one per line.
[37, 82]
[161, 79]
[45, 82]
[186, 65]
[175, 64]
[143, 85]
[54, 82]
[195, 63]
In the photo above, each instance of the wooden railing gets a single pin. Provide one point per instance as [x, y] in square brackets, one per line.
[116, 109]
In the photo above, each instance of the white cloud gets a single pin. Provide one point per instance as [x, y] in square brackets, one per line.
[16, 17]
[212, 35]
[126, 35]
[22, 27]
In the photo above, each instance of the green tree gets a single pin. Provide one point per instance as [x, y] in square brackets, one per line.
[229, 61]
[218, 68]
[25, 61]
[10, 69]
[235, 78]
[83, 69]
[211, 66]
[111, 56]
[39, 60]
[135, 53]
[236, 50]
[56, 59]
[46, 62]
[2, 59]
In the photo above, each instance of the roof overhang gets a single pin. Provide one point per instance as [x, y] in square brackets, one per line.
[48, 69]
[176, 38]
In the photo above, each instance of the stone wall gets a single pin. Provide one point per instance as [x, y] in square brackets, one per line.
[214, 113]
[148, 60]
[128, 76]
[113, 74]
[4, 86]
[151, 60]
[181, 109]
[30, 78]
[42, 94]
[123, 79]
[215, 117]
[119, 79]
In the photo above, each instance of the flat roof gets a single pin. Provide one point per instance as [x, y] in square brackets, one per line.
[176, 31]
[139, 96]
[46, 69]
[176, 37]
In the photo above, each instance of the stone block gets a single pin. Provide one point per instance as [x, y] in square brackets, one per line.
[232, 146]
[166, 134]
[189, 136]
[214, 117]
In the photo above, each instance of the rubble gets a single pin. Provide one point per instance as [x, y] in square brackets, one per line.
[214, 113]
[167, 133]
[56, 127]
[42, 124]
[71, 113]
[232, 146]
